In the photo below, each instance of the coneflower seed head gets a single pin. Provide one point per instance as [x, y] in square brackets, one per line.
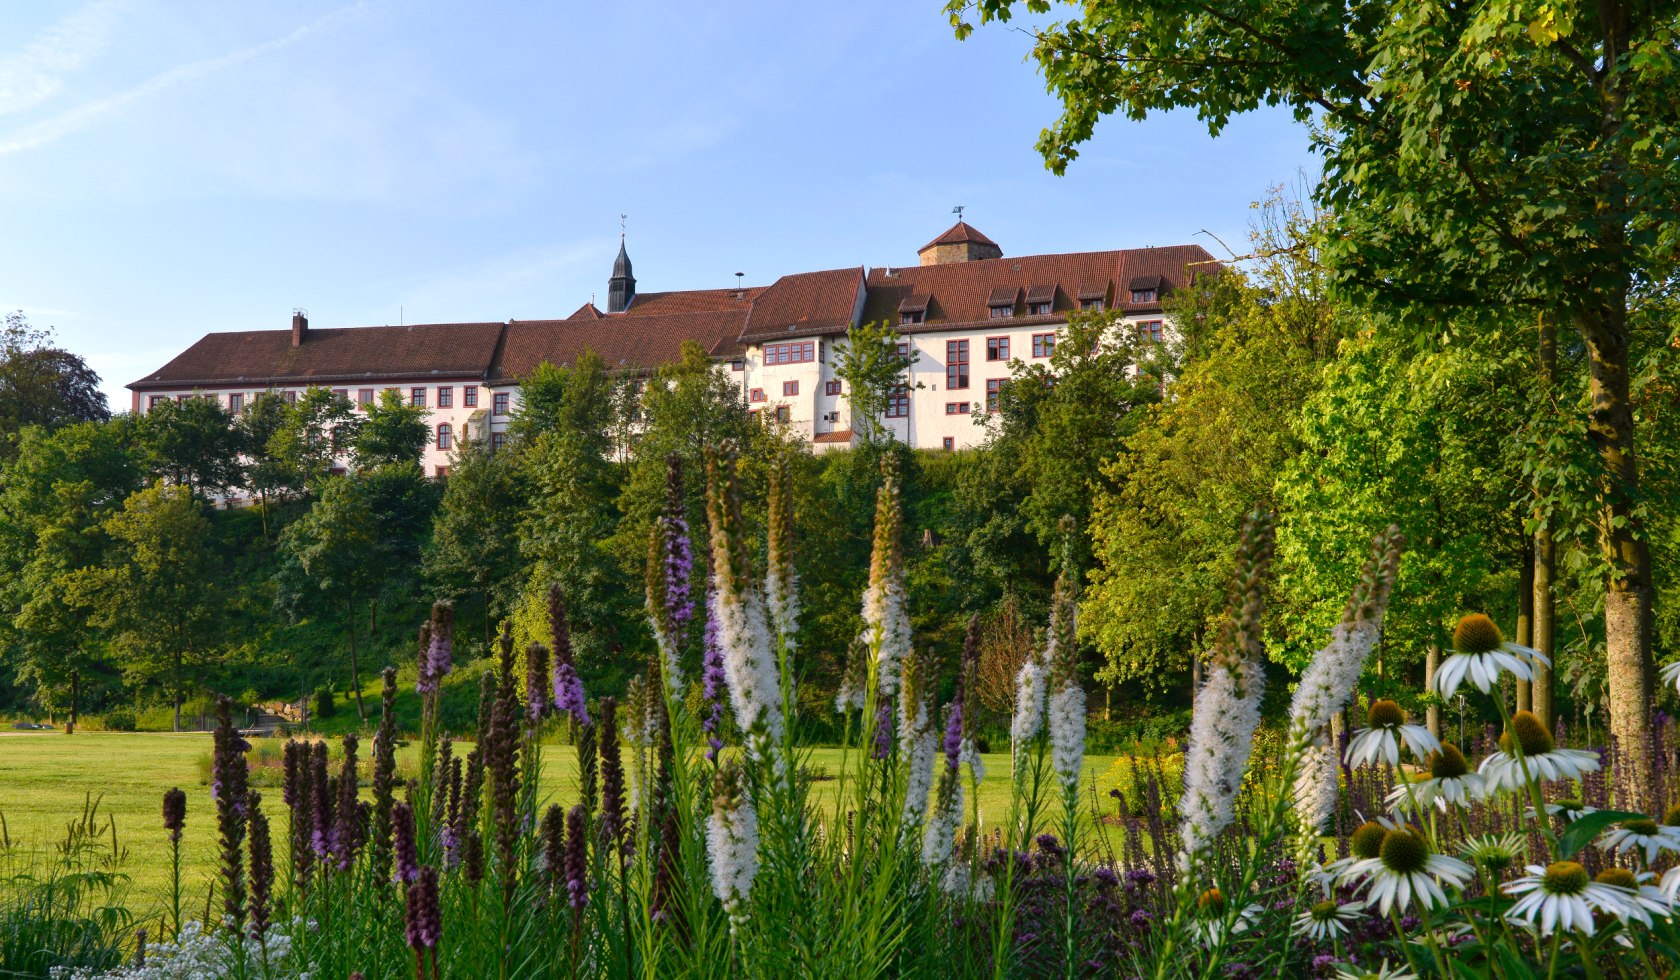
[1403, 851]
[1477, 633]
[1366, 842]
[1530, 733]
[1565, 878]
[1619, 877]
[1385, 714]
[1449, 763]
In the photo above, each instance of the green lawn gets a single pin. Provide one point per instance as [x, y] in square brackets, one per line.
[45, 779]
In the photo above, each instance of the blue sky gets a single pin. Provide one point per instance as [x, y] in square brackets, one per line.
[174, 167]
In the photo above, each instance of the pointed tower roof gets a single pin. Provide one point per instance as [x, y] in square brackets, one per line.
[621, 265]
[961, 233]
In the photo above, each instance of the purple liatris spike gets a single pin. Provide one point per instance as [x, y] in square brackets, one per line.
[577, 859]
[174, 813]
[536, 681]
[953, 734]
[440, 659]
[402, 842]
[714, 680]
[679, 554]
[423, 916]
[568, 693]
[425, 683]
[883, 729]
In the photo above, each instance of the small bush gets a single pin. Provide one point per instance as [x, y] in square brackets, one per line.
[120, 721]
[1143, 780]
[324, 707]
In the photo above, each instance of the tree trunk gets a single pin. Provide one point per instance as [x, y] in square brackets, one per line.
[1525, 619]
[487, 637]
[1627, 600]
[177, 690]
[75, 691]
[1545, 555]
[262, 508]
[355, 670]
[1432, 663]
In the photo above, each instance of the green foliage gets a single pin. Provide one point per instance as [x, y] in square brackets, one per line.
[192, 442]
[392, 432]
[41, 384]
[869, 364]
[474, 547]
[315, 430]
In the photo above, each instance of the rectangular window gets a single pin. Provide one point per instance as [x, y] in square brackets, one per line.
[1038, 309]
[1002, 312]
[445, 436]
[236, 403]
[737, 365]
[793, 352]
[181, 399]
[417, 397]
[997, 348]
[913, 317]
[498, 441]
[343, 393]
[446, 396]
[443, 472]
[790, 388]
[291, 397]
[1143, 295]
[833, 388]
[1044, 344]
[948, 442]
[1091, 304]
[1149, 331]
[336, 437]
[898, 404]
[782, 413]
[155, 401]
[499, 403]
[956, 364]
[956, 408]
[994, 386]
[904, 348]
[469, 396]
[756, 395]
[364, 397]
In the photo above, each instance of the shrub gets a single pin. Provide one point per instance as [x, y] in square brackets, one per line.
[324, 707]
[120, 721]
[1142, 778]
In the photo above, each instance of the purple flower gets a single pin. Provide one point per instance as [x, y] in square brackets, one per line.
[424, 918]
[883, 729]
[174, 813]
[953, 734]
[713, 679]
[1106, 878]
[679, 567]
[402, 828]
[577, 859]
[1141, 919]
[568, 692]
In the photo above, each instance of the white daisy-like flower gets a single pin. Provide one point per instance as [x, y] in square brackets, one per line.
[1404, 869]
[1381, 742]
[1541, 758]
[1562, 896]
[1569, 810]
[1670, 674]
[1211, 929]
[1480, 654]
[1642, 898]
[1645, 837]
[1380, 972]
[1495, 852]
[1326, 920]
[1450, 783]
[1670, 884]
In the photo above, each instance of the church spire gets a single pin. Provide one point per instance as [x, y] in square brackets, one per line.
[621, 288]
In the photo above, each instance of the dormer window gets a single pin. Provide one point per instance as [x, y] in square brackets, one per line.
[911, 317]
[1038, 309]
[1094, 305]
[1002, 301]
[1143, 295]
[1147, 289]
[1040, 300]
[1002, 312]
[913, 309]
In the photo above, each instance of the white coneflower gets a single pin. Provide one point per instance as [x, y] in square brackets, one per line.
[732, 842]
[1670, 884]
[1641, 899]
[1569, 810]
[1480, 654]
[1494, 852]
[1382, 971]
[1450, 783]
[1387, 732]
[1646, 837]
[1541, 758]
[1326, 920]
[1670, 674]
[1329, 681]
[1212, 929]
[743, 635]
[1561, 896]
[1029, 703]
[1404, 869]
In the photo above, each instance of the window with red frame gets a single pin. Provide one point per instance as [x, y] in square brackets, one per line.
[790, 388]
[782, 414]
[793, 352]
[948, 442]
[997, 348]
[443, 472]
[446, 396]
[469, 396]
[155, 401]
[445, 436]
[994, 387]
[364, 397]
[757, 395]
[498, 441]
[236, 403]
[417, 397]
[898, 404]
[499, 403]
[1149, 331]
[956, 408]
[1044, 344]
[956, 364]
[833, 388]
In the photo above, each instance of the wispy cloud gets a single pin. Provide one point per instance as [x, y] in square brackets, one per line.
[87, 114]
[36, 74]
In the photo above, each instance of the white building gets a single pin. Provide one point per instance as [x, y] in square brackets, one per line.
[966, 309]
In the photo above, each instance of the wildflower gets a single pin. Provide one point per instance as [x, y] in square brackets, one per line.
[1405, 868]
[577, 859]
[568, 688]
[668, 555]
[262, 869]
[1495, 852]
[612, 774]
[1569, 810]
[754, 684]
[781, 582]
[1029, 702]
[384, 774]
[1541, 757]
[174, 813]
[1227, 708]
[228, 788]
[1325, 920]
[403, 845]
[1480, 654]
[1638, 895]
[1670, 674]
[1066, 704]
[438, 659]
[1328, 682]
[713, 679]
[1670, 884]
[1380, 972]
[1388, 730]
[1643, 836]
[851, 693]
[1562, 896]
[940, 836]
[553, 858]
[918, 744]
[346, 832]
[536, 682]
[423, 920]
[1212, 928]
[732, 842]
[1450, 783]
[883, 729]
[886, 632]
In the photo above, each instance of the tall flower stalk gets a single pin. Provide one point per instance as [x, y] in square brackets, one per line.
[669, 572]
[743, 634]
[228, 787]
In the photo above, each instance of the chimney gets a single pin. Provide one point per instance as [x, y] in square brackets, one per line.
[300, 327]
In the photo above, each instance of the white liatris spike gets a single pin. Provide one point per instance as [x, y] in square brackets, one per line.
[749, 663]
[1315, 786]
[732, 843]
[970, 756]
[940, 837]
[920, 782]
[886, 631]
[1029, 703]
[1067, 734]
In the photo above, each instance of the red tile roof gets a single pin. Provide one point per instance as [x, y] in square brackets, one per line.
[958, 234]
[838, 435]
[337, 354]
[692, 301]
[624, 342]
[805, 303]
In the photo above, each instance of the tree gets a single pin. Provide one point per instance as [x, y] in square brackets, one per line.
[42, 384]
[869, 363]
[267, 472]
[475, 539]
[1491, 153]
[393, 432]
[318, 427]
[194, 443]
[158, 591]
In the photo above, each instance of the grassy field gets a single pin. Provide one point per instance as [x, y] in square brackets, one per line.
[46, 780]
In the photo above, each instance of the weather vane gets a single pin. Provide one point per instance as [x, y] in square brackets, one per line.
[621, 219]
[958, 210]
